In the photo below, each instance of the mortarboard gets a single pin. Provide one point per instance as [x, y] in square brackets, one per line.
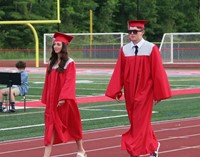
[62, 37]
[136, 23]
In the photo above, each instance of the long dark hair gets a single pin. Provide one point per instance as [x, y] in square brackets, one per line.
[63, 58]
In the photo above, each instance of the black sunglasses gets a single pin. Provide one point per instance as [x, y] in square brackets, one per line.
[134, 31]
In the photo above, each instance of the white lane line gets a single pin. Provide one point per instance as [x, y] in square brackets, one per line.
[91, 150]
[104, 148]
[179, 149]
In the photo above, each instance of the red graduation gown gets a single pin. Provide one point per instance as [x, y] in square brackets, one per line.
[144, 80]
[64, 120]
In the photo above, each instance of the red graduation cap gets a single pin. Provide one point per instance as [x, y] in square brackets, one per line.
[62, 37]
[136, 23]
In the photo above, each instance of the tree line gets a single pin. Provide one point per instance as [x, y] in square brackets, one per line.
[164, 16]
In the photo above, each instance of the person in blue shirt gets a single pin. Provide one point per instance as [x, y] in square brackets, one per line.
[16, 90]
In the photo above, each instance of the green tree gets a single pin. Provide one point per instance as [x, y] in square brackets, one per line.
[126, 9]
[166, 18]
[104, 15]
[150, 14]
[75, 16]
[20, 36]
[188, 16]
[108, 16]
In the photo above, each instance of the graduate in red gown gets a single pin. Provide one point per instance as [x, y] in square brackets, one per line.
[139, 70]
[62, 117]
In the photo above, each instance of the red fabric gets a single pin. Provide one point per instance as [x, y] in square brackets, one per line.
[136, 23]
[62, 37]
[144, 80]
[64, 120]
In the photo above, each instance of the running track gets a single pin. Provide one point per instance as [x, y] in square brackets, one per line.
[178, 138]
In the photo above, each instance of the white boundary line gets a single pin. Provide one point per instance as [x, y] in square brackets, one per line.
[83, 120]
[92, 150]
[159, 122]
[179, 149]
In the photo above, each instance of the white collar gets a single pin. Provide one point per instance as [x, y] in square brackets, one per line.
[138, 44]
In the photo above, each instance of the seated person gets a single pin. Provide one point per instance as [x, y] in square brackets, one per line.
[16, 89]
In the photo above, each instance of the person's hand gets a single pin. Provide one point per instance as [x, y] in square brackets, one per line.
[60, 103]
[117, 99]
[155, 102]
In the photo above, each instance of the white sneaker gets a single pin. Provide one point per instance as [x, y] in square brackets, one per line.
[155, 154]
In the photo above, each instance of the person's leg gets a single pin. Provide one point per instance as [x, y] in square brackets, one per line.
[12, 95]
[14, 92]
[47, 151]
[1, 101]
[155, 153]
[1, 108]
[2, 94]
[48, 148]
[81, 150]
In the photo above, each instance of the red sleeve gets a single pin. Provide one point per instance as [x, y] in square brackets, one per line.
[44, 93]
[160, 81]
[68, 90]
[117, 80]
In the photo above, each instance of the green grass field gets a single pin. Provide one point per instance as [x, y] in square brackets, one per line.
[96, 115]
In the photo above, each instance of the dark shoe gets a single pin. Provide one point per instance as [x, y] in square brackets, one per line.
[155, 154]
[12, 108]
[134, 156]
[1, 108]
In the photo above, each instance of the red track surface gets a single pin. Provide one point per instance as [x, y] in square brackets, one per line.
[178, 138]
